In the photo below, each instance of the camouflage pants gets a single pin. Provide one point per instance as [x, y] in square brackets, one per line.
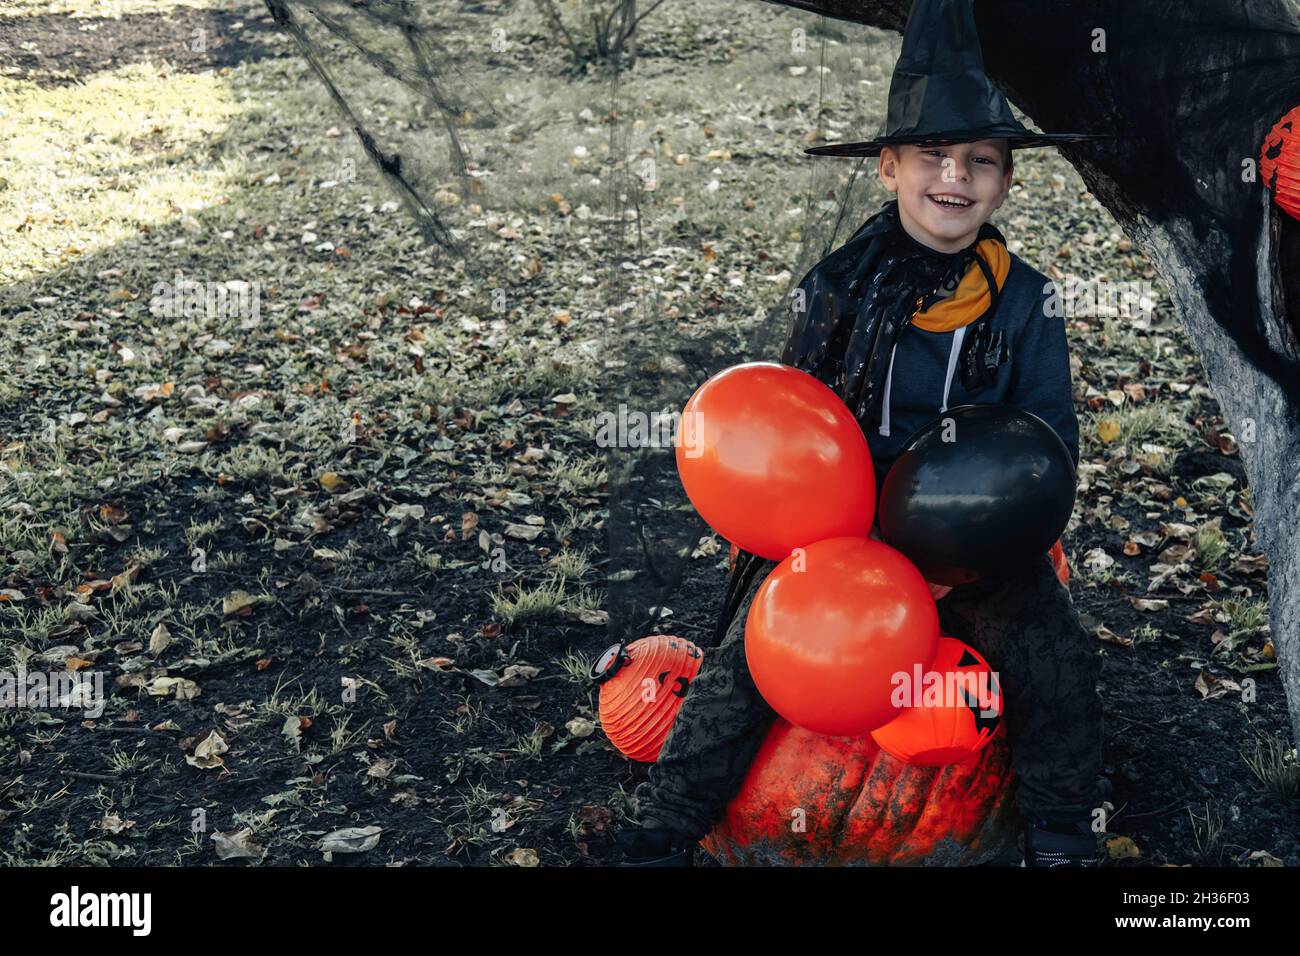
[1025, 625]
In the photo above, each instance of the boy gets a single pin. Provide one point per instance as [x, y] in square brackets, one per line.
[988, 330]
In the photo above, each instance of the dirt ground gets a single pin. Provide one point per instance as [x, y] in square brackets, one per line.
[282, 542]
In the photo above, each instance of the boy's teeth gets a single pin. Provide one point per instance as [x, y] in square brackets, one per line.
[950, 202]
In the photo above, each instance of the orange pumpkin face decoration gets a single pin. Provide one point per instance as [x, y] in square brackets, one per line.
[958, 710]
[813, 800]
[642, 686]
[1279, 162]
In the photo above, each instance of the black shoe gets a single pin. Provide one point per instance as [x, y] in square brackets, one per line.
[1053, 843]
[654, 846]
[1106, 787]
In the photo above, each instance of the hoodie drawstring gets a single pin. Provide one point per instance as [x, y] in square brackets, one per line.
[958, 335]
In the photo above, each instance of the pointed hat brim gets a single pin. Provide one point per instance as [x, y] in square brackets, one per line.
[1016, 140]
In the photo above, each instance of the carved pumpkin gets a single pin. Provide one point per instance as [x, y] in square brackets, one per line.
[814, 800]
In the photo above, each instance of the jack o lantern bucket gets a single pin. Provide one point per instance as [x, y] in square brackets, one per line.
[957, 710]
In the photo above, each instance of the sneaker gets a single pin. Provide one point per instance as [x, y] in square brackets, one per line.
[653, 846]
[1053, 843]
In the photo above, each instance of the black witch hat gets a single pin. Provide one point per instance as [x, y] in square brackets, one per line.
[940, 93]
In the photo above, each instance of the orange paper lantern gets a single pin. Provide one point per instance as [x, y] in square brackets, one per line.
[642, 686]
[1279, 162]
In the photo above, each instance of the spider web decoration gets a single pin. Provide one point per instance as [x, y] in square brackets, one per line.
[648, 361]
[391, 38]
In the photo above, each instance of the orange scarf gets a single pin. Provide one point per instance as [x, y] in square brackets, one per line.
[972, 297]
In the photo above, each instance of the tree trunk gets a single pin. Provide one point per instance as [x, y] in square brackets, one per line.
[1190, 88]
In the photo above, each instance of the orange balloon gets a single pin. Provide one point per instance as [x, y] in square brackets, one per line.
[773, 460]
[830, 627]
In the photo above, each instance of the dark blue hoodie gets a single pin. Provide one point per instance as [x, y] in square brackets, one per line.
[922, 381]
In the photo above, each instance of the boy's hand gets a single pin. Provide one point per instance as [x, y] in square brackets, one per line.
[937, 591]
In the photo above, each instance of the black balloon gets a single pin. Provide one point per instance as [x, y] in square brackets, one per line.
[976, 492]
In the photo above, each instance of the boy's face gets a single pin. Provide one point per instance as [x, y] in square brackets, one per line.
[974, 172]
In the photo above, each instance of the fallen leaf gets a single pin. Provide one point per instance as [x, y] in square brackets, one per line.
[1122, 848]
[112, 823]
[580, 727]
[1135, 391]
[159, 639]
[1110, 637]
[237, 845]
[207, 754]
[1149, 604]
[350, 840]
[523, 857]
[180, 687]
[707, 547]
[517, 674]
[1211, 686]
[1097, 560]
[236, 601]
[292, 730]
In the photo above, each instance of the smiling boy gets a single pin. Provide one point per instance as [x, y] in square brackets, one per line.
[923, 308]
[975, 341]
[1015, 353]
[936, 205]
